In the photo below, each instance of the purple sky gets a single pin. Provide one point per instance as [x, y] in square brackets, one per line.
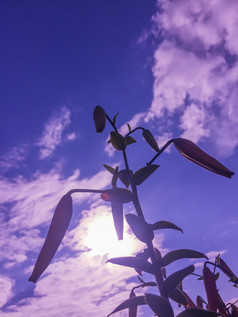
[170, 66]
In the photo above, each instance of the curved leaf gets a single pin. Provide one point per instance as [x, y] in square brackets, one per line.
[134, 262]
[193, 153]
[211, 289]
[134, 301]
[142, 174]
[173, 280]
[117, 141]
[196, 312]
[109, 169]
[129, 140]
[178, 296]
[140, 228]
[148, 136]
[181, 254]
[117, 213]
[56, 232]
[165, 225]
[191, 304]
[160, 305]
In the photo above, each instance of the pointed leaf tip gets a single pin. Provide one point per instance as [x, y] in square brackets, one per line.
[193, 153]
[133, 262]
[159, 305]
[181, 254]
[56, 232]
[149, 138]
[131, 302]
[117, 213]
[141, 229]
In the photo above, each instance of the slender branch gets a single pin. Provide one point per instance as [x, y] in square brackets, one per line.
[85, 191]
[138, 128]
[113, 125]
[161, 151]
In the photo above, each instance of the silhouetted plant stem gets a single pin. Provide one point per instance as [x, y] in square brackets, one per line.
[99, 191]
[161, 151]
[138, 128]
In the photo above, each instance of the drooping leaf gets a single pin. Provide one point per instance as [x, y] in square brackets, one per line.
[141, 229]
[124, 178]
[196, 312]
[117, 213]
[181, 254]
[165, 225]
[132, 309]
[117, 195]
[173, 280]
[148, 136]
[118, 141]
[56, 232]
[109, 168]
[134, 262]
[114, 118]
[159, 305]
[226, 269]
[178, 296]
[99, 117]
[142, 174]
[134, 301]
[193, 153]
[129, 140]
[211, 289]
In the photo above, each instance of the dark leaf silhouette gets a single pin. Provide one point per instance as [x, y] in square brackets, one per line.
[117, 195]
[99, 117]
[132, 309]
[181, 254]
[129, 140]
[211, 289]
[160, 305]
[225, 268]
[118, 141]
[200, 302]
[117, 213]
[140, 228]
[148, 136]
[173, 280]
[142, 174]
[134, 301]
[178, 296]
[134, 262]
[124, 178]
[165, 225]
[57, 230]
[196, 312]
[193, 153]
[191, 304]
[109, 168]
[143, 255]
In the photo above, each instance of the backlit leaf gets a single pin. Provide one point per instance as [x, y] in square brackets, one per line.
[129, 140]
[117, 141]
[165, 225]
[178, 296]
[141, 229]
[109, 168]
[56, 232]
[196, 312]
[148, 136]
[160, 305]
[134, 262]
[117, 195]
[142, 174]
[211, 289]
[117, 213]
[181, 254]
[134, 301]
[124, 178]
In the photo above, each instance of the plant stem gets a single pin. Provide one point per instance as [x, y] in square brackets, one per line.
[161, 151]
[85, 191]
[138, 128]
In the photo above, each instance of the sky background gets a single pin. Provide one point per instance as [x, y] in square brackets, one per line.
[170, 66]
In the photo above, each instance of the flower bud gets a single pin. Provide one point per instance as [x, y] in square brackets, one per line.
[99, 116]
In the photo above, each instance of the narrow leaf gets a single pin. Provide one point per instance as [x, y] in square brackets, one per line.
[196, 312]
[142, 174]
[200, 302]
[193, 153]
[115, 177]
[173, 280]
[178, 296]
[134, 262]
[129, 127]
[124, 178]
[57, 230]
[191, 304]
[160, 305]
[117, 213]
[211, 289]
[129, 140]
[114, 118]
[109, 169]
[132, 309]
[117, 141]
[141, 229]
[165, 225]
[181, 254]
[148, 136]
[225, 268]
[134, 301]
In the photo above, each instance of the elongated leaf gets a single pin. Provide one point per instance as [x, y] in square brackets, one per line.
[173, 280]
[142, 174]
[160, 305]
[181, 254]
[117, 141]
[117, 195]
[124, 178]
[99, 117]
[225, 268]
[114, 118]
[141, 229]
[143, 255]
[117, 213]
[148, 136]
[178, 296]
[57, 230]
[129, 140]
[211, 289]
[134, 262]
[109, 169]
[196, 312]
[165, 225]
[193, 153]
[132, 309]
[134, 301]
[191, 304]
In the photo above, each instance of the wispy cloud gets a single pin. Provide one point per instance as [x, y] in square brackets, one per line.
[13, 158]
[196, 70]
[52, 134]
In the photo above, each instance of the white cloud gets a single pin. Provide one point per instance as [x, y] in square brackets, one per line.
[196, 70]
[13, 158]
[6, 285]
[52, 134]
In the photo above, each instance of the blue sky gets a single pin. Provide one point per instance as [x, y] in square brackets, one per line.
[170, 66]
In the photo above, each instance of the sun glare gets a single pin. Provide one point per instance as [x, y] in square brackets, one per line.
[101, 238]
